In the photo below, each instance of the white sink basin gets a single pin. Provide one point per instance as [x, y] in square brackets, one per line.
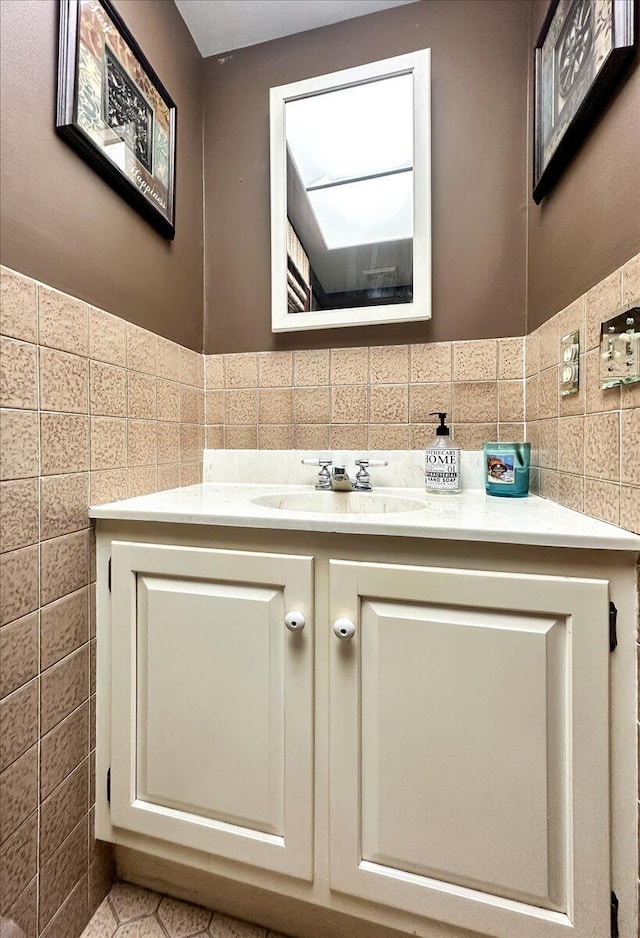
[344, 503]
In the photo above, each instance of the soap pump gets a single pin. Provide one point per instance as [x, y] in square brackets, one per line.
[442, 461]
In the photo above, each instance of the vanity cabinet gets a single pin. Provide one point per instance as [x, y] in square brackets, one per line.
[443, 771]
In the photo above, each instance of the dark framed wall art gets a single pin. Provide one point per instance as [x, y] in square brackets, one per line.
[581, 52]
[113, 109]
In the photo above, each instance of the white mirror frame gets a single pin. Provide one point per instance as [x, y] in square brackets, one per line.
[419, 64]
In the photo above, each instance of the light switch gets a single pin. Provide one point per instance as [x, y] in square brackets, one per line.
[620, 349]
[570, 363]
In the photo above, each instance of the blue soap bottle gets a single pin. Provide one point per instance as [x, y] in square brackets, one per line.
[506, 467]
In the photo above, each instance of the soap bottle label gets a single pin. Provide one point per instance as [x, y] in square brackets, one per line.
[442, 468]
[500, 469]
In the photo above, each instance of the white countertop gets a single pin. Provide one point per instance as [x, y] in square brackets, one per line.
[471, 516]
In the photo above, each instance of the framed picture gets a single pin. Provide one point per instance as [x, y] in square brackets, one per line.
[113, 109]
[582, 49]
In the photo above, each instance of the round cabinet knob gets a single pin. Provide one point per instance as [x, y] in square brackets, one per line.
[344, 629]
[294, 621]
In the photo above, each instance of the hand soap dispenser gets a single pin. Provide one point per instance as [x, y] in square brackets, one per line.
[442, 461]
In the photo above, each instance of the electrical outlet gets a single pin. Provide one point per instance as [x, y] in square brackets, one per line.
[570, 363]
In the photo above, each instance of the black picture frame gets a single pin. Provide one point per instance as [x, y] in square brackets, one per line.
[123, 111]
[589, 96]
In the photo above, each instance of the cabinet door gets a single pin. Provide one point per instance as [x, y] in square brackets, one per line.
[212, 702]
[469, 748]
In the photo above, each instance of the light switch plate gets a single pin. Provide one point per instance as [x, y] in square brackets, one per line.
[570, 363]
[620, 349]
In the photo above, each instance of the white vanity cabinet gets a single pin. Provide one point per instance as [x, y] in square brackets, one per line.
[460, 766]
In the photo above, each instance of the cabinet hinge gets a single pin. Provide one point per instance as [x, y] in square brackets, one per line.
[109, 575]
[109, 787]
[613, 627]
[614, 916]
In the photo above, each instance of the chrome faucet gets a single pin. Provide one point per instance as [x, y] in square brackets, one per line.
[339, 480]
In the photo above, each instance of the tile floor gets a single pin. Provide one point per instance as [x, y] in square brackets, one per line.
[132, 912]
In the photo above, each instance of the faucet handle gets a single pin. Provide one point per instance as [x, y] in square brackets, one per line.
[364, 463]
[363, 479]
[324, 476]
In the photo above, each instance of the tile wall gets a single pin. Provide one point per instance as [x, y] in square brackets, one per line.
[93, 409]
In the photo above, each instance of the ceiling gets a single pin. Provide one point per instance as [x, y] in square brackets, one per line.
[222, 25]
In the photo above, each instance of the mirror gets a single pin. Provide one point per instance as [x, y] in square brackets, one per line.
[351, 197]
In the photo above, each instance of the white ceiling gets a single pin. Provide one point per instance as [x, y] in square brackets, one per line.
[222, 25]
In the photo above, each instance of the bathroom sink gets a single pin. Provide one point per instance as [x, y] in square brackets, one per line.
[339, 502]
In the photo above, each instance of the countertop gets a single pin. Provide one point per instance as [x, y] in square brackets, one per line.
[471, 516]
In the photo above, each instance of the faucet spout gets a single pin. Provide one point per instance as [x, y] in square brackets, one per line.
[341, 481]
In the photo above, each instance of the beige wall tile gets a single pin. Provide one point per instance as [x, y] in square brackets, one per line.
[19, 583]
[64, 502]
[511, 358]
[108, 485]
[275, 369]
[548, 394]
[348, 437]
[389, 436]
[510, 401]
[168, 359]
[630, 395]
[63, 687]
[63, 809]
[475, 361]
[532, 354]
[141, 480]
[241, 437]
[531, 398]
[425, 399]
[631, 281]
[191, 367]
[571, 491]
[275, 406]
[214, 372]
[214, 408]
[474, 435]
[63, 322]
[63, 565]
[168, 400]
[389, 403]
[214, 436]
[431, 362]
[18, 792]
[573, 405]
[19, 514]
[20, 864]
[63, 748]
[141, 443]
[241, 407]
[421, 435]
[64, 382]
[311, 405]
[18, 306]
[107, 337]
[598, 399]
[19, 444]
[349, 366]
[602, 500]
[61, 872]
[389, 364]
[549, 484]
[571, 445]
[275, 437]
[601, 303]
[549, 344]
[349, 404]
[311, 367]
[241, 370]
[190, 473]
[532, 433]
[19, 722]
[141, 349]
[24, 910]
[141, 396]
[18, 653]
[191, 443]
[18, 374]
[630, 508]
[64, 627]
[191, 405]
[168, 477]
[107, 390]
[602, 446]
[311, 436]
[475, 402]
[630, 450]
[108, 443]
[548, 445]
[64, 440]
[572, 319]
[511, 432]
[168, 442]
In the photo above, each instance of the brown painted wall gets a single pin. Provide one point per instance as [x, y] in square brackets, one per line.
[60, 223]
[589, 224]
[479, 131]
